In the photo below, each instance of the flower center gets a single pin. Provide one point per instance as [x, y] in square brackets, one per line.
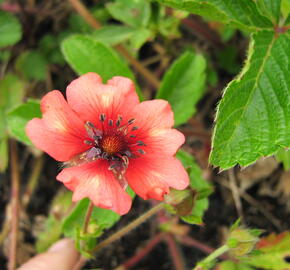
[114, 141]
[112, 144]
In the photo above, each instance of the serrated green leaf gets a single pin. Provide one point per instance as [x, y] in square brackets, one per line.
[18, 118]
[183, 85]
[32, 65]
[10, 29]
[100, 218]
[243, 14]
[205, 9]
[135, 13]
[198, 184]
[283, 156]
[270, 8]
[274, 252]
[253, 115]
[113, 34]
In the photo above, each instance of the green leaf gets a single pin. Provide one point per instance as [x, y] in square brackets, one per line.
[53, 225]
[135, 13]
[139, 37]
[11, 92]
[100, 219]
[18, 118]
[3, 153]
[205, 9]
[253, 115]
[285, 10]
[270, 8]
[103, 218]
[197, 183]
[183, 85]
[228, 59]
[85, 54]
[10, 29]
[243, 14]
[113, 34]
[78, 24]
[274, 253]
[32, 65]
[283, 156]
[229, 265]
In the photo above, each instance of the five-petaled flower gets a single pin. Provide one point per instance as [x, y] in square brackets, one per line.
[108, 139]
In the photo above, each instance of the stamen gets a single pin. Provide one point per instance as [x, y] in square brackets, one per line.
[125, 160]
[104, 155]
[128, 153]
[102, 117]
[131, 121]
[140, 143]
[134, 128]
[119, 120]
[141, 151]
[92, 131]
[88, 142]
[110, 122]
[93, 153]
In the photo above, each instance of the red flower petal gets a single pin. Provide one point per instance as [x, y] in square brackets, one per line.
[153, 114]
[60, 132]
[95, 181]
[151, 176]
[89, 98]
[162, 141]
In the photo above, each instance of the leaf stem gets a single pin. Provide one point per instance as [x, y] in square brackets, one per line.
[129, 227]
[142, 252]
[174, 252]
[209, 259]
[88, 216]
[81, 262]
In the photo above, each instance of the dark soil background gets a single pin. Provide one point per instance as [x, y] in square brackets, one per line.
[266, 209]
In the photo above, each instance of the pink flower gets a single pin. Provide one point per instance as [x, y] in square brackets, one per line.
[108, 139]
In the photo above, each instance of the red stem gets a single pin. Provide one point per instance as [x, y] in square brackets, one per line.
[12, 257]
[174, 252]
[144, 251]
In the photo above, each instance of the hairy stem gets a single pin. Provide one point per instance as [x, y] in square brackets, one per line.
[88, 216]
[129, 227]
[209, 259]
[121, 233]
